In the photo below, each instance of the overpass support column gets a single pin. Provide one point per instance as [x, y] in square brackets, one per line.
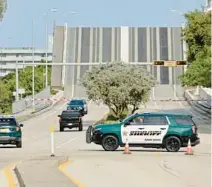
[148, 48]
[170, 57]
[125, 44]
[158, 51]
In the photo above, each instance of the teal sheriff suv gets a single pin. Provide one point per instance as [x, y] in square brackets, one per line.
[10, 131]
[78, 103]
[149, 130]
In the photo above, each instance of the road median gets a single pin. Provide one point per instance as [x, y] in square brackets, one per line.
[63, 169]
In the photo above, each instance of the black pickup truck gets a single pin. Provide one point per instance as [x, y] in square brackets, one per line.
[71, 119]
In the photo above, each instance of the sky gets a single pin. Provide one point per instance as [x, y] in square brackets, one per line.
[16, 27]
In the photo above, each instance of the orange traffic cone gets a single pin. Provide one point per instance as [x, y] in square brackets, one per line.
[126, 148]
[188, 149]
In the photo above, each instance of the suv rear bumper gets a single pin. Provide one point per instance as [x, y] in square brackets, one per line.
[195, 140]
[9, 140]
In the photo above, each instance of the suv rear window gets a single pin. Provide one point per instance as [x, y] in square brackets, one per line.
[184, 120]
[7, 121]
[76, 102]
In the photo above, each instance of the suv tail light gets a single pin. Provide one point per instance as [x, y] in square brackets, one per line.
[194, 129]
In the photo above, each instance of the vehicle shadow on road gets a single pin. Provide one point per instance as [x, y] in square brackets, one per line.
[7, 147]
[73, 130]
[142, 150]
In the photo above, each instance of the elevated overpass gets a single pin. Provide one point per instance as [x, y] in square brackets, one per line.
[128, 44]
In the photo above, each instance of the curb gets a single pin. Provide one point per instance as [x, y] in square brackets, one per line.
[19, 178]
[63, 167]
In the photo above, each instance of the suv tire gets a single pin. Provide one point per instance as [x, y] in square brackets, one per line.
[172, 144]
[61, 129]
[80, 126]
[19, 144]
[110, 143]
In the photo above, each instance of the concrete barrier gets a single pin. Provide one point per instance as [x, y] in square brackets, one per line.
[196, 105]
[26, 103]
[19, 178]
[205, 94]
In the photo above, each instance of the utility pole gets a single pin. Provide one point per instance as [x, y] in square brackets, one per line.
[46, 55]
[33, 70]
[64, 53]
[17, 81]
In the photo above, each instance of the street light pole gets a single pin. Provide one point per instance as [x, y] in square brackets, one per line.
[64, 54]
[17, 81]
[46, 14]
[46, 55]
[33, 70]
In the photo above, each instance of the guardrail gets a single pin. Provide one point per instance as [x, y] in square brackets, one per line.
[197, 105]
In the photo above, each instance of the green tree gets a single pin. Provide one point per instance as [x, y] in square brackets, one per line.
[3, 7]
[118, 85]
[197, 35]
[5, 98]
[8, 85]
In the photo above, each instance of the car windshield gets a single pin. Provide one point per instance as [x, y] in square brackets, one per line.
[127, 118]
[7, 121]
[76, 102]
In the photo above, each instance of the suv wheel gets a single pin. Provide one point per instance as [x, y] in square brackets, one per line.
[61, 129]
[172, 144]
[110, 143]
[80, 126]
[19, 144]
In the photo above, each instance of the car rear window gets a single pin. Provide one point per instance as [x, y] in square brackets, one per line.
[7, 121]
[184, 120]
[75, 102]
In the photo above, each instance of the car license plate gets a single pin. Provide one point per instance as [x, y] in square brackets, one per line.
[4, 130]
[70, 124]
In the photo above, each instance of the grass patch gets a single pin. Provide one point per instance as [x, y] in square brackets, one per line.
[53, 92]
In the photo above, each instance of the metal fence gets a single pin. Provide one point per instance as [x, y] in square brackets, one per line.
[26, 103]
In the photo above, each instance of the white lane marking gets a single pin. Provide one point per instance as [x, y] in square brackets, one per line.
[66, 142]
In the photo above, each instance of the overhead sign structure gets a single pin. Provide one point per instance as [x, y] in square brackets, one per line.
[20, 91]
[169, 63]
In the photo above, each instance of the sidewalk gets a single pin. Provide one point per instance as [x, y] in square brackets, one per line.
[50, 176]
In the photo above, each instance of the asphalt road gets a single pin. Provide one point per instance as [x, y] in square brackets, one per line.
[36, 135]
[91, 165]
[94, 167]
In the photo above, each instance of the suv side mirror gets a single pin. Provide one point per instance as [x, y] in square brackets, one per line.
[21, 125]
[59, 116]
